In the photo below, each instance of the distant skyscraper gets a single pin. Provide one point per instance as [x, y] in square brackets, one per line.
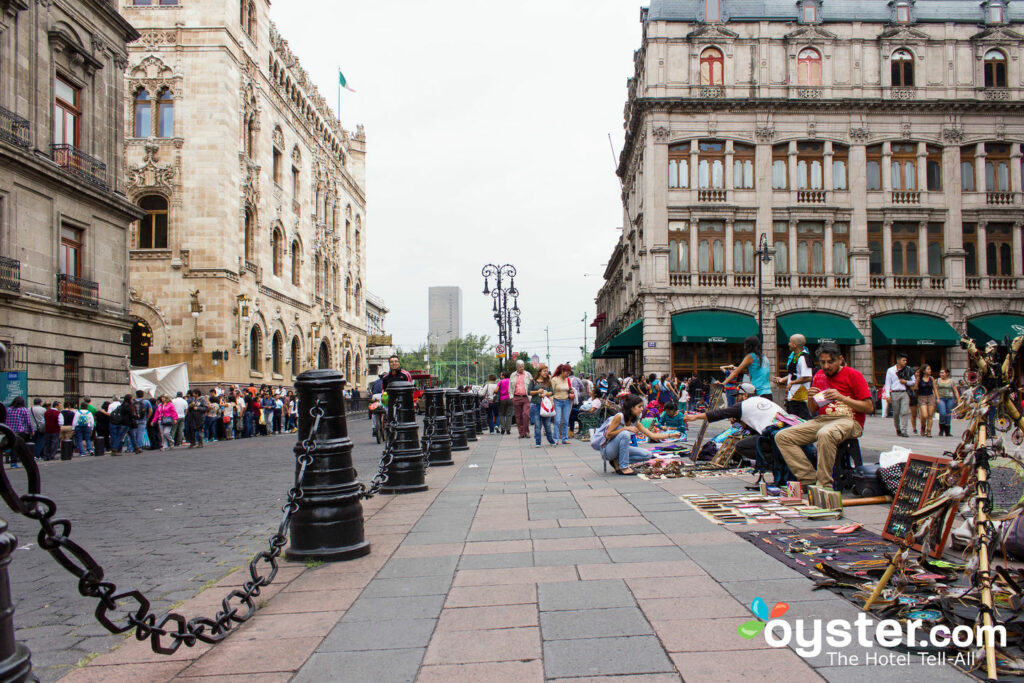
[445, 310]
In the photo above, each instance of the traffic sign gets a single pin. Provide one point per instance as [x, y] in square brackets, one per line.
[499, 351]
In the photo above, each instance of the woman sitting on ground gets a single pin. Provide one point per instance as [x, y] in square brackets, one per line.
[620, 448]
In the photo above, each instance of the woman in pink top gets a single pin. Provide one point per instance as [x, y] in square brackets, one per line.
[505, 404]
[164, 418]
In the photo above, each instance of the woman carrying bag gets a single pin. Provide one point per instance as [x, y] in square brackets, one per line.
[562, 391]
[164, 418]
[542, 412]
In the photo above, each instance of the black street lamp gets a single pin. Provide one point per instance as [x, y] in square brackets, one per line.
[763, 256]
[502, 290]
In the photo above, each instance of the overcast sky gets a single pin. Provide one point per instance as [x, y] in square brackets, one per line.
[487, 142]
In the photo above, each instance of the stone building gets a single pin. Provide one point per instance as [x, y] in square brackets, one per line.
[64, 218]
[873, 148]
[249, 264]
[378, 342]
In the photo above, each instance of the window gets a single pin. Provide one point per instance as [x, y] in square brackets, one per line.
[250, 237]
[711, 66]
[250, 135]
[998, 251]
[840, 161]
[296, 362]
[875, 248]
[995, 69]
[251, 26]
[967, 168]
[72, 368]
[711, 164]
[935, 241]
[934, 168]
[711, 248]
[255, 349]
[902, 13]
[902, 69]
[743, 166]
[841, 248]
[277, 248]
[995, 14]
[277, 166]
[153, 228]
[712, 10]
[809, 164]
[295, 184]
[143, 115]
[809, 13]
[970, 239]
[165, 115]
[873, 157]
[780, 166]
[679, 165]
[780, 241]
[904, 248]
[70, 251]
[808, 67]
[359, 299]
[348, 294]
[296, 264]
[276, 352]
[66, 113]
[743, 247]
[904, 166]
[810, 248]
[318, 278]
[997, 167]
[679, 246]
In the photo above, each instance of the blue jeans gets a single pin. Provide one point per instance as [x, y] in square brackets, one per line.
[563, 407]
[620, 449]
[730, 399]
[210, 428]
[946, 406]
[83, 440]
[537, 421]
[492, 416]
[136, 436]
[249, 420]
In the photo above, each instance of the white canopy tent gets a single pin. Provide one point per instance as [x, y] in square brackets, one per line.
[169, 379]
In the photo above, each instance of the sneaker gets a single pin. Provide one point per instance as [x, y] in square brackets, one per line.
[565, 440]
[536, 445]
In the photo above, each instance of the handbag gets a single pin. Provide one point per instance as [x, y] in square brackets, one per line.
[166, 420]
[547, 407]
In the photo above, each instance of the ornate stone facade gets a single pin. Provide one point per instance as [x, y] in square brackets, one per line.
[256, 196]
[878, 154]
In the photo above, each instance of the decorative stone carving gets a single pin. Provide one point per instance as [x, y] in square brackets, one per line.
[812, 129]
[953, 135]
[156, 37]
[860, 134]
[906, 130]
[764, 133]
[662, 134]
[278, 137]
[149, 173]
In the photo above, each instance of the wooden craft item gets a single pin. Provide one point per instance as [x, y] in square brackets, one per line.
[916, 488]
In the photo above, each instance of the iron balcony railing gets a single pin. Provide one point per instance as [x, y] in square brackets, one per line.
[10, 274]
[13, 128]
[75, 290]
[80, 164]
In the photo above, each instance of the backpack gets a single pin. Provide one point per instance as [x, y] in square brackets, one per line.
[83, 419]
[600, 437]
[119, 416]
[138, 410]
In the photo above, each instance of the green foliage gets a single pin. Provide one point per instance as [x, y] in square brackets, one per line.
[584, 366]
[454, 363]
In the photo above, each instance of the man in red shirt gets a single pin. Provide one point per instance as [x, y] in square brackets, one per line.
[840, 397]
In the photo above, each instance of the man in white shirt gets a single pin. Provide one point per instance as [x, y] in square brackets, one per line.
[797, 377]
[897, 380]
[180, 407]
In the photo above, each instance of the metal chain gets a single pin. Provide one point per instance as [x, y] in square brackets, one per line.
[54, 538]
[387, 457]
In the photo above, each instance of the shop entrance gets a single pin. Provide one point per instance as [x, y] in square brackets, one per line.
[704, 359]
[885, 358]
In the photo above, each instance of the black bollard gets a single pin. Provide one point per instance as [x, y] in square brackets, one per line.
[481, 414]
[455, 422]
[474, 407]
[328, 525]
[15, 659]
[465, 401]
[408, 468]
[440, 452]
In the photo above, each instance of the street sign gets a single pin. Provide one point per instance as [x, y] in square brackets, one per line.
[499, 351]
[13, 384]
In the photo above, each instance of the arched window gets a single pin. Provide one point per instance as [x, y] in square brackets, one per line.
[904, 166]
[277, 247]
[332, 284]
[255, 349]
[711, 164]
[810, 158]
[165, 114]
[250, 26]
[250, 135]
[318, 278]
[250, 238]
[276, 353]
[359, 294]
[348, 294]
[711, 67]
[153, 228]
[359, 231]
[143, 114]
[142, 339]
[997, 167]
[296, 356]
[296, 264]
[995, 69]
[902, 69]
[324, 356]
[808, 67]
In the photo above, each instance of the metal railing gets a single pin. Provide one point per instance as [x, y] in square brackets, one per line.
[810, 196]
[14, 129]
[906, 197]
[1002, 283]
[710, 195]
[906, 282]
[81, 165]
[10, 274]
[77, 291]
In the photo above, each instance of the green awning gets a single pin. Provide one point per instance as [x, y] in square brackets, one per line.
[912, 329]
[712, 326]
[818, 327]
[607, 352]
[630, 338]
[996, 326]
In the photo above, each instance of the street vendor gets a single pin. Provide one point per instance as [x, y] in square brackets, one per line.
[754, 412]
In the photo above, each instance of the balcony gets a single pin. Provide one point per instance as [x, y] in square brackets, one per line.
[10, 274]
[812, 281]
[905, 197]
[974, 283]
[710, 195]
[902, 93]
[711, 92]
[782, 281]
[679, 279]
[997, 94]
[1002, 284]
[14, 129]
[906, 282]
[938, 282]
[746, 280]
[805, 93]
[76, 291]
[842, 281]
[999, 198]
[711, 280]
[877, 282]
[810, 196]
[79, 164]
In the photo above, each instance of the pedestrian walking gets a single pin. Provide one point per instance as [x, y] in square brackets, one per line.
[754, 364]
[36, 412]
[491, 399]
[562, 394]
[195, 418]
[51, 431]
[19, 420]
[212, 416]
[926, 399]
[164, 417]
[519, 381]
[180, 408]
[912, 400]
[101, 433]
[84, 423]
[897, 380]
[797, 378]
[142, 412]
[948, 397]
[541, 388]
[505, 408]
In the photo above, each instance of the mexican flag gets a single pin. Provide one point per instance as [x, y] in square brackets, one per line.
[343, 82]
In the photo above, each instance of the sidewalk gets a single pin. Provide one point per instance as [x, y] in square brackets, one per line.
[521, 564]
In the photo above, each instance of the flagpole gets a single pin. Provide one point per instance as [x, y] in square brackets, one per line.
[339, 95]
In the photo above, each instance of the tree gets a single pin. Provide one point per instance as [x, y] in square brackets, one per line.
[460, 361]
[584, 366]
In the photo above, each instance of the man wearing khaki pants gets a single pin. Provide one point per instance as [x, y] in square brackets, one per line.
[840, 397]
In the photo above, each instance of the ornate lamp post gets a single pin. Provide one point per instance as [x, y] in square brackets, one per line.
[763, 256]
[503, 315]
[196, 308]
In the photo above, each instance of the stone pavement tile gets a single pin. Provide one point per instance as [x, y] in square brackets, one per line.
[395, 634]
[705, 538]
[730, 562]
[126, 673]
[462, 647]
[681, 522]
[647, 554]
[547, 514]
[622, 570]
[603, 521]
[300, 625]
[769, 666]
[402, 567]
[548, 558]
[784, 590]
[485, 618]
[240, 656]
[677, 587]
[488, 547]
[571, 532]
[628, 530]
[399, 666]
[594, 623]
[286, 572]
[582, 595]
[605, 656]
[438, 549]
[311, 601]
[891, 674]
[475, 596]
[693, 607]
[499, 535]
[492, 672]
[499, 561]
[240, 678]
[497, 577]
[705, 635]
[131, 651]
[415, 607]
[636, 541]
[436, 537]
[639, 678]
[320, 579]
[414, 585]
[553, 544]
